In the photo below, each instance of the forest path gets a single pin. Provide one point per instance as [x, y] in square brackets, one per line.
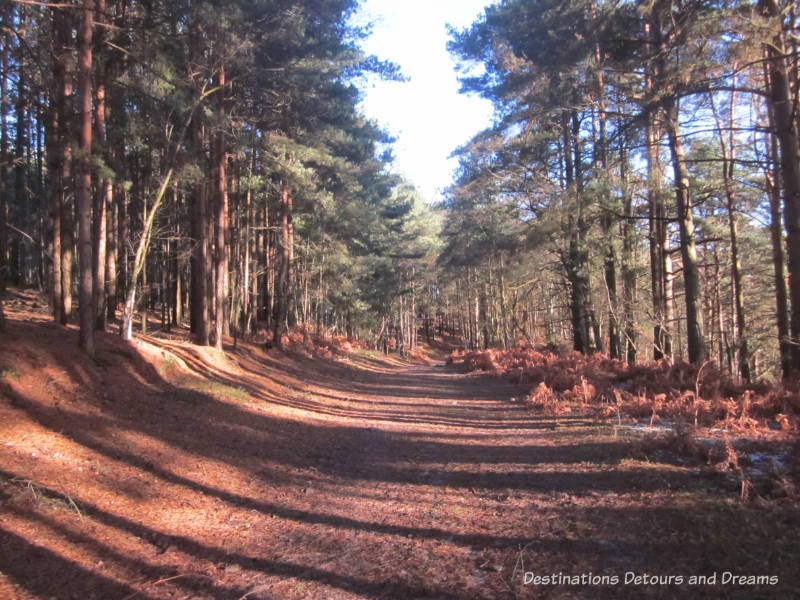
[191, 475]
[440, 484]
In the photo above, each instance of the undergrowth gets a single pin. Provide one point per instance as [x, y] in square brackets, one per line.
[321, 344]
[755, 482]
[701, 396]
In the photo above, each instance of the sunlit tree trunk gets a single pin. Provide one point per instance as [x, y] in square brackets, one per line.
[783, 107]
[628, 261]
[60, 179]
[103, 190]
[221, 255]
[694, 318]
[776, 240]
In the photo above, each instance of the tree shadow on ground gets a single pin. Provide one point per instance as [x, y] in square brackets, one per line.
[146, 430]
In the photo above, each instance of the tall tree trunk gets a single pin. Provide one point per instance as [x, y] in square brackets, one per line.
[610, 279]
[84, 179]
[67, 220]
[18, 253]
[483, 316]
[728, 147]
[776, 239]
[123, 253]
[783, 108]
[270, 265]
[42, 200]
[200, 251]
[4, 106]
[742, 351]
[261, 262]
[576, 257]
[662, 342]
[503, 308]
[291, 285]
[112, 227]
[55, 145]
[606, 220]
[283, 279]
[691, 279]
[247, 304]
[659, 251]
[115, 131]
[628, 261]
[103, 191]
[221, 256]
[121, 206]
[199, 208]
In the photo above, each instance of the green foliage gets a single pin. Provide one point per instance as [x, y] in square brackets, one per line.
[9, 372]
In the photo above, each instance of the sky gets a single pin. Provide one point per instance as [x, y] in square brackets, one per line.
[426, 114]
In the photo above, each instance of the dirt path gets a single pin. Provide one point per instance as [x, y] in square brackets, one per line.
[299, 479]
[457, 489]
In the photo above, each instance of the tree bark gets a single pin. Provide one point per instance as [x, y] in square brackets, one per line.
[67, 221]
[15, 267]
[221, 255]
[628, 262]
[576, 258]
[776, 239]
[283, 283]
[606, 220]
[4, 161]
[84, 179]
[199, 219]
[662, 342]
[111, 255]
[103, 189]
[249, 241]
[200, 253]
[659, 275]
[694, 318]
[783, 108]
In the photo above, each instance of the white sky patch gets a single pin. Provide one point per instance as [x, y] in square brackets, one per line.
[427, 114]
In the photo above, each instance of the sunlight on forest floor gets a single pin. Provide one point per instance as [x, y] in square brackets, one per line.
[164, 470]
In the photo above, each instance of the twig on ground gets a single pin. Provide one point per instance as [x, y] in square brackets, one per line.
[75, 506]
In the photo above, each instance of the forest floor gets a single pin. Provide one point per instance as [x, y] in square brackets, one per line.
[164, 470]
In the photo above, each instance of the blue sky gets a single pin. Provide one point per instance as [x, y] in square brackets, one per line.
[427, 114]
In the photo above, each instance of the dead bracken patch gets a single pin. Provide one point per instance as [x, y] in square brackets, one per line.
[702, 395]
